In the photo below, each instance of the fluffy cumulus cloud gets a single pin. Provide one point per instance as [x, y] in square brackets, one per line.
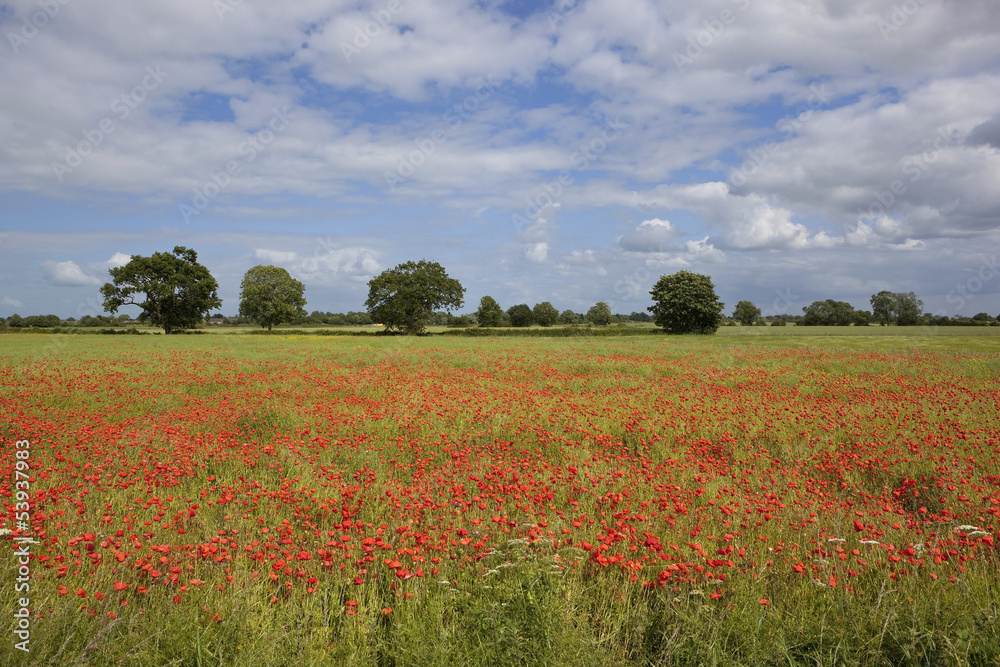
[858, 139]
[652, 235]
[67, 274]
[330, 264]
[118, 259]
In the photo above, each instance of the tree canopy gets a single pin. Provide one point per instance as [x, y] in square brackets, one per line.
[686, 302]
[545, 314]
[600, 314]
[746, 313]
[520, 315]
[490, 314]
[828, 313]
[405, 296]
[903, 309]
[269, 296]
[177, 292]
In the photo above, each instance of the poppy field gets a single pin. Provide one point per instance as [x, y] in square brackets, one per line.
[251, 500]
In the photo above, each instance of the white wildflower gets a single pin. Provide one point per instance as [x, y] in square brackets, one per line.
[965, 528]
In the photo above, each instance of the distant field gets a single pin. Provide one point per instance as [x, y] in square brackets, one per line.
[759, 497]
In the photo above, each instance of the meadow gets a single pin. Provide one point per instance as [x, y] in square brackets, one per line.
[748, 498]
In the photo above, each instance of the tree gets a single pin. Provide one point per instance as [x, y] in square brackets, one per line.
[908, 309]
[902, 309]
[828, 313]
[545, 314]
[269, 296]
[686, 302]
[178, 291]
[569, 317]
[490, 314]
[405, 296]
[600, 314]
[520, 315]
[862, 318]
[746, 313]
[883, 305]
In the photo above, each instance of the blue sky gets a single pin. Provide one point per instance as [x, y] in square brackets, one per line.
[569, 152]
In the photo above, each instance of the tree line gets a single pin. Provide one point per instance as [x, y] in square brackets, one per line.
[175, 292]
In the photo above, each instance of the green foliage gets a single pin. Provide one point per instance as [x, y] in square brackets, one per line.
[862, 318]
[569, 317]
[600, 314]
[178, 291]
[902, 309]
[545, 314]
[490, 314]
[686, 302]
[828, 313]
[404, 297]
[746, 313]
[269, 296]
[520, 315]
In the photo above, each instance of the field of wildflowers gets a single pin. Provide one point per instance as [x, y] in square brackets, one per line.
[231, 500]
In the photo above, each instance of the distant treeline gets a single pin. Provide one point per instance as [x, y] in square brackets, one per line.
[316, 318]
[815, 316]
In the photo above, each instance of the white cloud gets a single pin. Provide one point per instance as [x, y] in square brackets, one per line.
[67, 274]
[274, 256]
[653, 235]
[118, 259]
[330, 264]
[10, 301]
[537, 252]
